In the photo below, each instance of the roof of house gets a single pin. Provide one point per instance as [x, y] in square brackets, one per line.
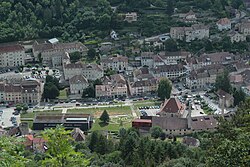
[224, 21]
[170, 123]
[190, 141]
[172, 105]
[83, 66]
[112, 59]
[236, 78]
[204, 122]
[144, 82]
[142, 121]
[11, 48]
[78, 134]
[221, 93]
[168, 68]
[58, 46]
[216, 57]
[78, 79]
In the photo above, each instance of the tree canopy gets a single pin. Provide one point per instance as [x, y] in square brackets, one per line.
[164, 88]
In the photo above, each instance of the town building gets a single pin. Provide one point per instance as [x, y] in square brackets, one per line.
[144, 84]
[236, 37]
[172, 107]
[112, 87]
[36, 144]
[216, 58]
[12, 55]
[224, 24]
[131, 17]
[225, 99]
[77, 84]
[173, 123]
[78, 135]
[196, 31]
[69, 121]
[49, 51]
[89, 71]
[244, 28]
[172, 72]
[117, 63]
[203, 77]
[27, 92]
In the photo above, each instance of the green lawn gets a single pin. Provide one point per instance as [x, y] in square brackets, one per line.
[121, 110]
[63, 94]
[114, 124]
[32, 114]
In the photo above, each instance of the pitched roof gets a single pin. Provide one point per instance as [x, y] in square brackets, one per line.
[11, 48]
[222, 93]
[170, 123]
[78, 79]
[204, 122]
[78, 135]
[224, 21]
[172, 105]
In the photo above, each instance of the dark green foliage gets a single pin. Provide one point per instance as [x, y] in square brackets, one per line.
[51, 88]
[105, 117]
[156, 132]
[91, 53]
[164, 88]
[171, 45]
[90, 90]
[223, 82]
[74, 57]
[239, 96]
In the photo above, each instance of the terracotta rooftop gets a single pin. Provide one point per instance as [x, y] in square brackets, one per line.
[224, 21]
[172, 105]
[11, 48]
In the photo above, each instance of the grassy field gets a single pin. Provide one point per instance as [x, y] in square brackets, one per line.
[114, 125]
[32, 114]
[63, 94]
[124, 110]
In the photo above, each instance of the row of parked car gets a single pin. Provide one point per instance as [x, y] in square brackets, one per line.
[13, 120]
[149, 107]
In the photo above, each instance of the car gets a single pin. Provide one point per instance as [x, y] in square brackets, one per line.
[73, 101]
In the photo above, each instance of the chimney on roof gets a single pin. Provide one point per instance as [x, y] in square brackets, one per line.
[189, 119]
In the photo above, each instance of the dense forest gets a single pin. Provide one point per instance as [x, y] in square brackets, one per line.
[229, 146]
[80, 20]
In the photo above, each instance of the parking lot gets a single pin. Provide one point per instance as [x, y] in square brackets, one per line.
[149, 110]
[7, 119]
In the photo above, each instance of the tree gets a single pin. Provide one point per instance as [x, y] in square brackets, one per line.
[171, 45]
[164, 88]
[61, 152]
[75, 56]
[93, 141]
[12, 152]
[222, 82]
[239, 96]
[170, 7]
[156, 132]
[51, 79]
[91, 53]
[105, 117]
[50, 91]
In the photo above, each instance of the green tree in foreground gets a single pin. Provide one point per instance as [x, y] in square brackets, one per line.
[156, 132]
[61, 152]
[12, 152]
[105, 117]
[164, 88]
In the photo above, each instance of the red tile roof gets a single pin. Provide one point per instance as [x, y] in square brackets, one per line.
[172, 105]
[11, 48]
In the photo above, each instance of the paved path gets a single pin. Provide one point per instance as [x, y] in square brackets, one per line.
[64, 110]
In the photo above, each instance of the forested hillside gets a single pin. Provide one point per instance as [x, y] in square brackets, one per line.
[78, 19]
